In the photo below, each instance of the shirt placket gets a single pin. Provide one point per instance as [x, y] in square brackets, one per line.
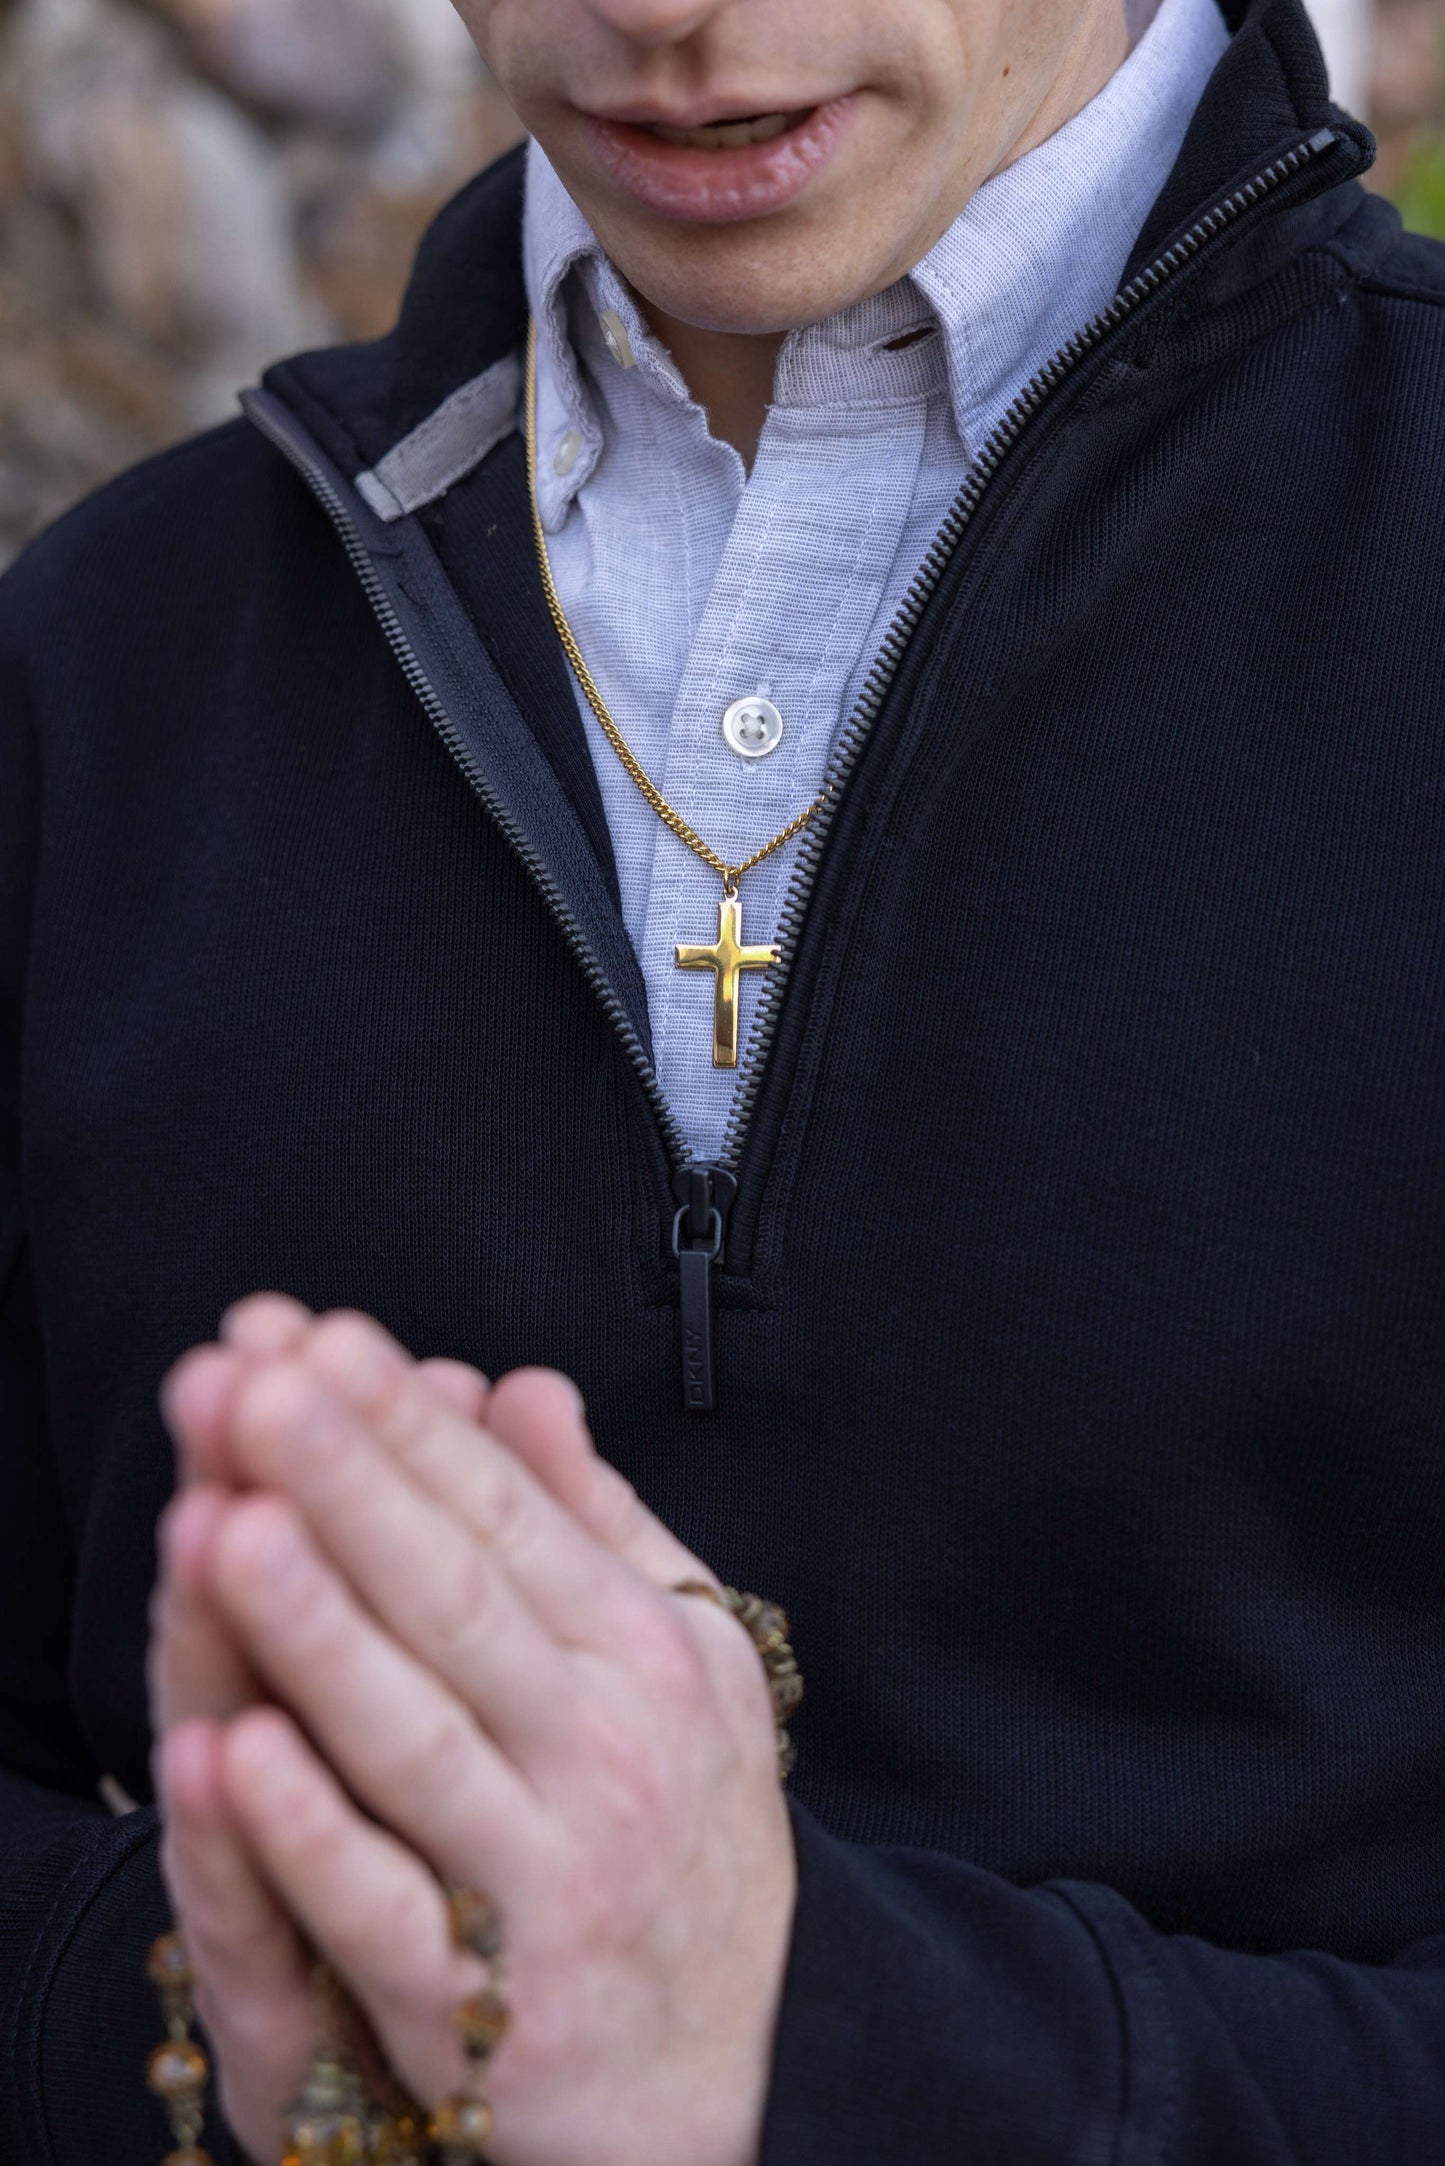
[812, 549]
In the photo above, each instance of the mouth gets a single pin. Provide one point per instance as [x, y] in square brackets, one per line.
[720, 170]
[730, 134]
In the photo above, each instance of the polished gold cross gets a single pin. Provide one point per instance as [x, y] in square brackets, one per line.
[727, 960]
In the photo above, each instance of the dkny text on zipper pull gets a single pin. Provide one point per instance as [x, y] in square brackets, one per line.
[705, 1195]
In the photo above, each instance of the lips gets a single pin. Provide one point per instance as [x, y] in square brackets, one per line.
[719, 172]
[731, 134]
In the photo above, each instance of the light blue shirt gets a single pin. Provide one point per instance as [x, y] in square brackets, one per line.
[691, 583]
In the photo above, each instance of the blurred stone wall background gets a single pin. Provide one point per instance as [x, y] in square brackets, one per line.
[189, 188]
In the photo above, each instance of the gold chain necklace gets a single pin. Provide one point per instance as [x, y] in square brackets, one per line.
[730, 957]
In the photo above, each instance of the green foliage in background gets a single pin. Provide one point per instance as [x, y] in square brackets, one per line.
[1420, 195]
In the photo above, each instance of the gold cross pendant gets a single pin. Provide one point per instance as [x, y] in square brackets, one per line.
[727, 960]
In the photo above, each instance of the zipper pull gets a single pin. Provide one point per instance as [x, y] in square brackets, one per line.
[706, 1195]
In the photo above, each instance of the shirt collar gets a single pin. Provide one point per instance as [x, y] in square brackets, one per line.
[1040, 249]
[1033, 257]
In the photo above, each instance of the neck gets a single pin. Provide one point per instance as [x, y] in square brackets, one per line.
[730, 373]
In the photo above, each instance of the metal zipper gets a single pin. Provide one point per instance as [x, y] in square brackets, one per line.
[321, 486]
[900, 631]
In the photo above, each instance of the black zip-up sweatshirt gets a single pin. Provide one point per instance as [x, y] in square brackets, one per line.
[1078, 1321]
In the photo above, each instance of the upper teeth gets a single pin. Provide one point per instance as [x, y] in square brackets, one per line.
[727, 134]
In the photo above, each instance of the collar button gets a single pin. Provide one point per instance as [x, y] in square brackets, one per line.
[615, 338]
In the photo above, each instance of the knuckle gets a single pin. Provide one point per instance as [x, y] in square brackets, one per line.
[325, 1460]
[313, 1616]
[463, 1602]
[439, 1754]
[621, 1513]
[311, 1828]
[672, 1662]
[401, 1406]
[495, 1503]
[354, 1354]
[450, 1751]
[501, 1504]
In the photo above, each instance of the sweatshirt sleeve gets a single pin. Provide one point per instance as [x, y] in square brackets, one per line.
[938, 2014]
[80, 1891]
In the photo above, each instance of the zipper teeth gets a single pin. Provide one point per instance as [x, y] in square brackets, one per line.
[886, 664]
[416, 677]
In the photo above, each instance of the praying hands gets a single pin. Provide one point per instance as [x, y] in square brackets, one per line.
[411, 1629]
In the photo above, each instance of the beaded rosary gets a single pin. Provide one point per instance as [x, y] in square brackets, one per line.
[341, 2117]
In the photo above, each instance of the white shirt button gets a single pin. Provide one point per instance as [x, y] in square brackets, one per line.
[614, 333]
[564, 458]
[753, 727]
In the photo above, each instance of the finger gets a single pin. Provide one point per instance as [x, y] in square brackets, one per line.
[196, 1398]
[457, 1385]
[583, 1594]
[540, 1416]
[440, 1592]
[252, 1970]
[265, 1326]
[405, 1745]
[365, 1902]
[196, 1667]
[199, 1391]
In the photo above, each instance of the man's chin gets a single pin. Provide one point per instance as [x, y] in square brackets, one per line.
[756, 284]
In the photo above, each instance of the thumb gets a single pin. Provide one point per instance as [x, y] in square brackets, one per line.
[540, 1416]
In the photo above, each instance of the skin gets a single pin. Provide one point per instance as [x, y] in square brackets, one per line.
[392, 1644]
[409, 1624]
[944, 93]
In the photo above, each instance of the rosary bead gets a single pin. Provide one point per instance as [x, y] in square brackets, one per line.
[327, 2139]
[482, 2023]
[397, 2140]
[765, 1620]
[327, 2126]
[168, 1966]
[464, 2125]
[787, 1690]
[476, 1924]
[177, 2070]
